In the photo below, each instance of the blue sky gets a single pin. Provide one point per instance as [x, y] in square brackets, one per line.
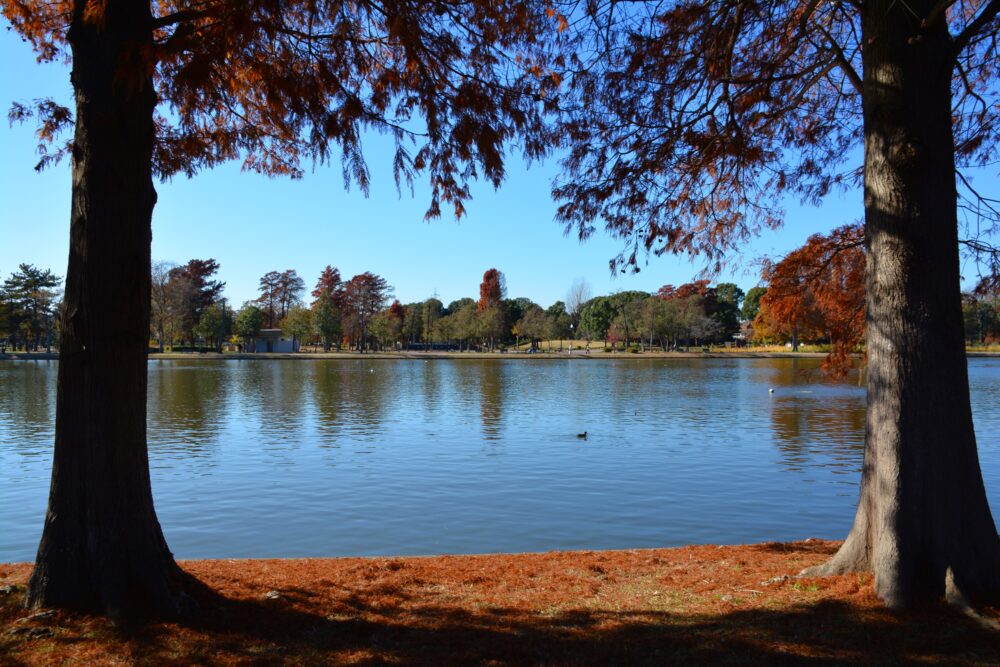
[252, 224]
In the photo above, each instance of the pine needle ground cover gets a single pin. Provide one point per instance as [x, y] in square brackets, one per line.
[692, 605]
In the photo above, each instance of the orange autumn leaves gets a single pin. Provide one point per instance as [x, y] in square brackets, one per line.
[818, 292]
[282, 85]
[491, 291]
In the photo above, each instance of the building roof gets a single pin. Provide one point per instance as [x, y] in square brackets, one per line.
[269, 333]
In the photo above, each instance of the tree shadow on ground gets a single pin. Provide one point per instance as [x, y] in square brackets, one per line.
[288, 630]
[390, 611]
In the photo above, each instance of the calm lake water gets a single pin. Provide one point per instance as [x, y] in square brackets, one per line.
[370, 456]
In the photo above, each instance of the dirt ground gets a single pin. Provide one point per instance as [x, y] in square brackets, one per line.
[692, 605]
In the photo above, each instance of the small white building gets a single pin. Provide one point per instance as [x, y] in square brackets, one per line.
[272, 340]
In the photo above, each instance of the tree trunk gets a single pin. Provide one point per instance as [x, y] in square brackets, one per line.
[923, 523]
[102, 548]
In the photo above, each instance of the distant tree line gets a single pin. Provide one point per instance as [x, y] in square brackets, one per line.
[981, 313]
[814, 295]
[360, 314]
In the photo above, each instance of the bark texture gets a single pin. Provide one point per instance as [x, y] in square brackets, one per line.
[102, 548]
[923, 523]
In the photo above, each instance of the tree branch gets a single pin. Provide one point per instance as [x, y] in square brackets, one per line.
[844, 63]
[182, 16]
[987, 202]
[806, 15]
[935, 13]
[973, 29]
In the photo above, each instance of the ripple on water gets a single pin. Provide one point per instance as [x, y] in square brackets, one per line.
[317, 458]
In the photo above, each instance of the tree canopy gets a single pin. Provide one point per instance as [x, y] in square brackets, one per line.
[820, 288]
[687, 123]
[492, 290]
[280, 85]
[29, 300]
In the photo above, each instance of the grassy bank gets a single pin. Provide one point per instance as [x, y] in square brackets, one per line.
[692, 605]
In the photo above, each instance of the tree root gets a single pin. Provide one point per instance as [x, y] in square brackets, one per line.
[954, 597]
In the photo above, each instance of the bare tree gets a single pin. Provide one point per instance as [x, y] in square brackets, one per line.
[160, 299]
[579, 293]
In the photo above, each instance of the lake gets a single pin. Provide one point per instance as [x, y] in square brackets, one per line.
[265, 458]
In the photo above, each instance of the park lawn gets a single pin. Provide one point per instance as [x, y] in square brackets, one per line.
[691, 605]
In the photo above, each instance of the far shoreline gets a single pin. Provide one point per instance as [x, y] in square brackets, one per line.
[537, 356]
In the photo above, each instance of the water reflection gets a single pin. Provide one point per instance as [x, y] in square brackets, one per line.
[186, 409]
[279, 391]
[465, 394]
[328, 403]
[795, 372]
[807, 427]
[492, 393]
[369, 389]
[321, 458]
[27, 404]
[430, 386]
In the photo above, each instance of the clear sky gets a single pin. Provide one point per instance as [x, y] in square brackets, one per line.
[252, 224]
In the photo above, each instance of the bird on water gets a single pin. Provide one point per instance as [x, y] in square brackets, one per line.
[582, 436]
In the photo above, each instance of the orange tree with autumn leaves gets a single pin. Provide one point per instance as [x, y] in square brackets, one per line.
[690, 121]
[173, 87]
[818, 291]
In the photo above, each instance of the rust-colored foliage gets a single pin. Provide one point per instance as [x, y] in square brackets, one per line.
[330, 283]
[819, 290]
[989, 285]
[694, 605]
[696, 287]
[397, 310]
[364, 295]
[691, 121]
[284, 84]
[705, 294]
[491, 290]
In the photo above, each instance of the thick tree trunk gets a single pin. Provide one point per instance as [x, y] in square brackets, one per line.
[923, 524]
[102, 548]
